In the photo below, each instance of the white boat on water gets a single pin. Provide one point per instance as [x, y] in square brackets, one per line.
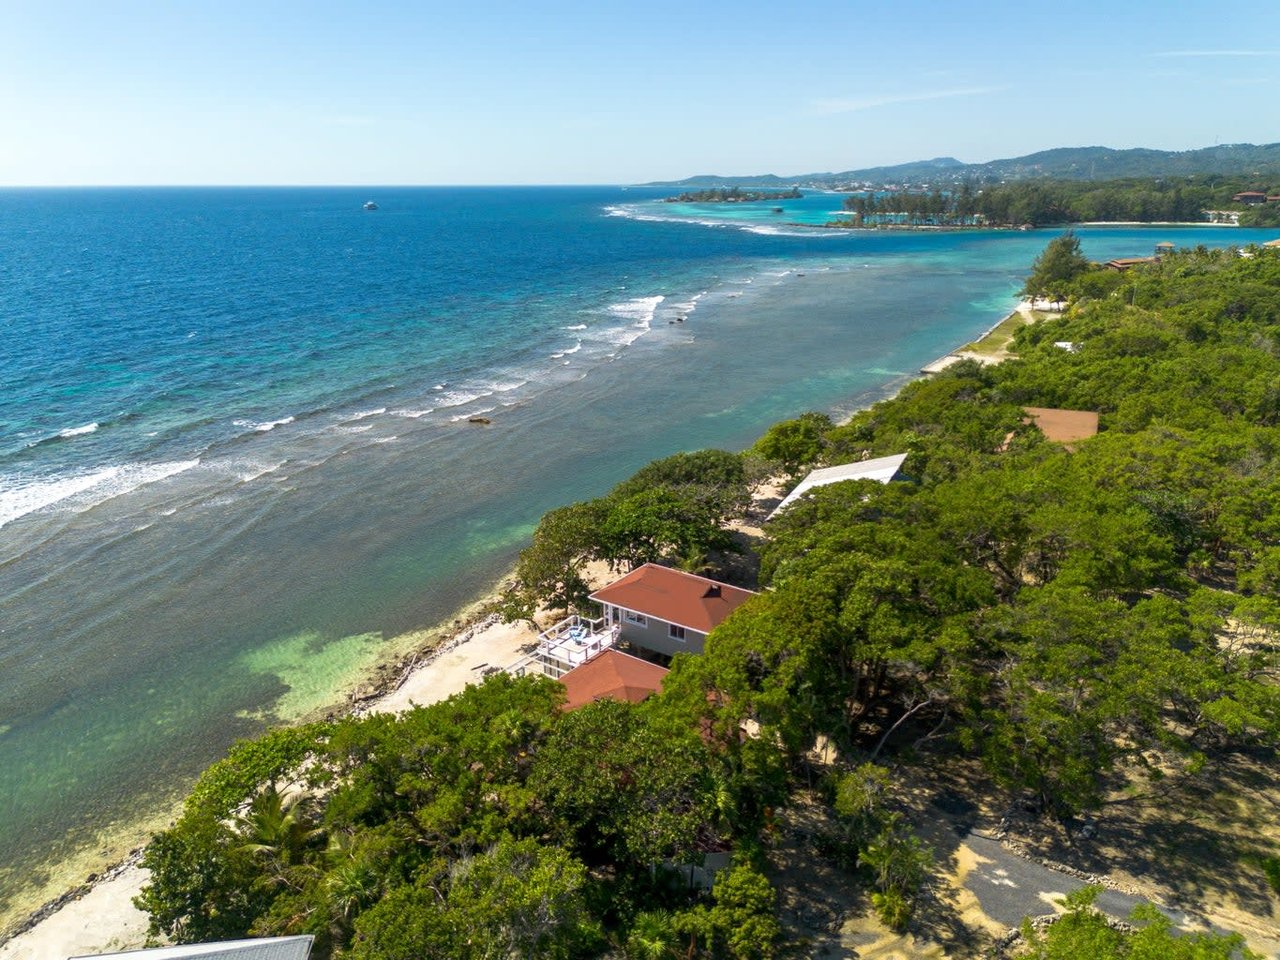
[370, 205]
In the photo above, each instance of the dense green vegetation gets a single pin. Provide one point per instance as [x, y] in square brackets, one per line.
[1081, 624]
[1039, 202]
[673, 510]
[735, 195]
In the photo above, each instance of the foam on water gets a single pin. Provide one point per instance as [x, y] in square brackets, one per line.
[20, 496]
[506, 386]
[245, 469]
[561, 354]
[462, 396]
[639, 309]
[767, 230]
[272, 424]
[77, 431]
[639, 312]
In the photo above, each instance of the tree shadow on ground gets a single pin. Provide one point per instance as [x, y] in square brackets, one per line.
[1192, 843]
[826, 909]
[1198, 840]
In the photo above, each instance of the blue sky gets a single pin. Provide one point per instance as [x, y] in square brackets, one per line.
[230, 92]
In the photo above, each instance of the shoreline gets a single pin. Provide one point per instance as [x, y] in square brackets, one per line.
[1008, 227]
[985, 352]
[99, 913]
[428, 665]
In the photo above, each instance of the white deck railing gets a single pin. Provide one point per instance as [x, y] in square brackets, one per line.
[570, 643]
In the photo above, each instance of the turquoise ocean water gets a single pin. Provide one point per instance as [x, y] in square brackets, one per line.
[234, 451]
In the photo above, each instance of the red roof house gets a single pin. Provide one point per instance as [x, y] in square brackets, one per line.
[613, 675]
[665, 610]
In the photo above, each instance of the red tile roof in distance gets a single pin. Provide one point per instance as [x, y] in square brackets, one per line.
[615, 675]
[694, 603]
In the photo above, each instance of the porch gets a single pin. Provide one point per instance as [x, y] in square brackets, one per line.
[570, 643]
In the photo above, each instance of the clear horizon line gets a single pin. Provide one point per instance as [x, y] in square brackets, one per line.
[302, 186]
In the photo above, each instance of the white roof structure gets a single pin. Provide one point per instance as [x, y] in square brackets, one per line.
[263, 948]
[882, 469]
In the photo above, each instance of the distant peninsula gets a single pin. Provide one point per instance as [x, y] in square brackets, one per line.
[735, 195]
[1252, 202]
[1061, 163]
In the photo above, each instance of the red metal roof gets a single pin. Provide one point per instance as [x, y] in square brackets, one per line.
[612, 674]
[695, 603]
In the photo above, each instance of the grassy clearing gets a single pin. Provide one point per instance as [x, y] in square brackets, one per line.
[997, 341]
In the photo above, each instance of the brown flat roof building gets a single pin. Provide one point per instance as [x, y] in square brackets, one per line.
[673, 596]
[612, 675]
[1063, 426]
[1124, 263]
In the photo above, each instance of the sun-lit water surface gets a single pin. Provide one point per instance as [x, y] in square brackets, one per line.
[235, 461]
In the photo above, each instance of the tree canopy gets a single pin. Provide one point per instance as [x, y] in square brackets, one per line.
[1077, 624]
[1054, 270]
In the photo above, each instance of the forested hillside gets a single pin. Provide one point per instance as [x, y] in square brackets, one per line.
[1040, 202]
[1058, 630]
[1061, 163]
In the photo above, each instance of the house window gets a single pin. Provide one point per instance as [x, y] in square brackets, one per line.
[675, 633]
[637, 618]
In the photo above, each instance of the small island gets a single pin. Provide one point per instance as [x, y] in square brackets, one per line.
[735, 195]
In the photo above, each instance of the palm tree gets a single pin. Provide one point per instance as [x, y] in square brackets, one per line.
[652, 937]
[352, 883]
[278, 830]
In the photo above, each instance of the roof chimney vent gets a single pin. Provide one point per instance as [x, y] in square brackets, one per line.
[713, 590]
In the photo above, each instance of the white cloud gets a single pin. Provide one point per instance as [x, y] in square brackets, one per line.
[828, 106]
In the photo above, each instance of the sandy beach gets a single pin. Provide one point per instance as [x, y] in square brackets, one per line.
[105, 919]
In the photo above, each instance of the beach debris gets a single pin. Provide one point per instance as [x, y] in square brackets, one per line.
[483, 421]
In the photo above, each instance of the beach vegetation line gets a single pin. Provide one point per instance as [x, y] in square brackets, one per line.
[1039, 202]
[1059, 642]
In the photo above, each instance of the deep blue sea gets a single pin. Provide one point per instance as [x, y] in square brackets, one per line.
[235, 463]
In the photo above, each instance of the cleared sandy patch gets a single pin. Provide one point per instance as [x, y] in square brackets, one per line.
[104, 919]
[495, 647]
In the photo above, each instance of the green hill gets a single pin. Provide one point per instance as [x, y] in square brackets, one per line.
[1061, 163]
